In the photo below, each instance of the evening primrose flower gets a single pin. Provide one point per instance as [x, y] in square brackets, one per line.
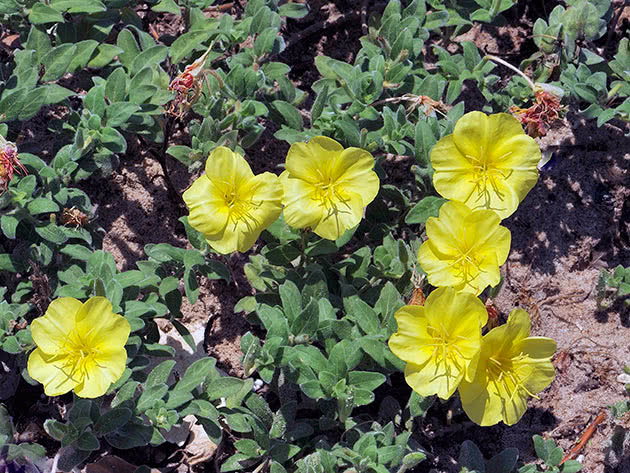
[440, 341]
[487, 163]
[465, 248]
[231, 206]
[512, 367]
[80, 347]
[327, 187]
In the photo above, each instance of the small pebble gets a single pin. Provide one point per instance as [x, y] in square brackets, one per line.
[623, 378]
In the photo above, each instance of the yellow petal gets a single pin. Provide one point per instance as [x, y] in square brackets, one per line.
[446, 301]
[51, 331]
[225, 242]
[346, 213]
[301, 209]
[208, 210]
[98, 327]
[538, 347]
[430, 379]
[353, 172]
[308, 161]
[471, 134]
[409, 343]
[46, 370]
[498, 196]
[437, 266]
[107, 368]
[540, 374]
[453, 178]
[227, 169]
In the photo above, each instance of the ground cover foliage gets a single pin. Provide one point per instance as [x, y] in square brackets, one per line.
[326, 302]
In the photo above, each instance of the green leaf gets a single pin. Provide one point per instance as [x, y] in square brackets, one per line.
[38, 41]
[112, 420]
[127, 42]
[150, 395]
[78, 6]
[94, 101]
[504, 461]
[116, 86]
[571, 466]
[471, 458]
[88, 441]
[160, 373]
[55, 429]
[290, 114]
[83, 53]
[152, 56]
[308, 321]
[294, 10]
[187, 43]
[366, 379]
[196, 373]
[427, 207]
[41, 14]
[363, 314]
[105, 53]
[185, 334]
[57, 60]
[291, 300]
[167, 6]
[224, 386]
[41, 205]
[9, 224]
[52, 233]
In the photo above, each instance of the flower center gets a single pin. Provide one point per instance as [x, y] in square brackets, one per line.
[486, 176]
[329, 196]
[78, 358]
[446, 351]
[240, 208]
[502, 373]
[467, 265]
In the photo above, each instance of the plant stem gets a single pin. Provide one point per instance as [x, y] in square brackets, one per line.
[515, 69]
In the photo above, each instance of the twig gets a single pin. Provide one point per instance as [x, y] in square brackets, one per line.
[161, 158]
[588, 433]
[614, 22]
[515, 69]
[364, 26]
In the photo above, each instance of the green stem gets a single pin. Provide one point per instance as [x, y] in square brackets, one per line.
[515, 69]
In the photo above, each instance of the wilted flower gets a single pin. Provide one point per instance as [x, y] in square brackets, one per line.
[231, 206]
[538, 118]
[465, 248]
[80, 347]
[440, 341]
[327, 187]
[512, 367]
[487, 163]
[8, 163]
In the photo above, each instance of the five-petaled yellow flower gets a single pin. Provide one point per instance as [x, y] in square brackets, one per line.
[512, 367]
[465, 248]
[327, 187]
[80, 347]
[231, 206]
[440, 341]
[487, 163]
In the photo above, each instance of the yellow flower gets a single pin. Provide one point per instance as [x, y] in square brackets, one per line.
[512, 367]
[326, 187]
[487, 163]
[80, 347]
[231, 206]
[465, 248]
[440, 341]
